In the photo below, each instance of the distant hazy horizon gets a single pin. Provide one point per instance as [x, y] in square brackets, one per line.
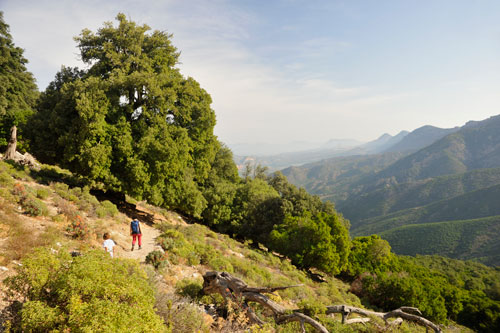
[301, 71]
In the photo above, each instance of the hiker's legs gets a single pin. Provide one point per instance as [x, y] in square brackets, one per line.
[139, 237]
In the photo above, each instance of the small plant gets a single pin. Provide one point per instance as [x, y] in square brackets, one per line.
[42, 193]
[5, 179]
[78, 228]
[32, 206]
[190, 288]
[157, 258]
[19, 190]
[28, 202]
[312, 307]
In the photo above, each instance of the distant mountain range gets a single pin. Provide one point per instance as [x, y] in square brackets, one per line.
[430, 179]
[300, 153]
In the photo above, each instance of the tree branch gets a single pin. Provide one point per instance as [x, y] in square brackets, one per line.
[240, 293]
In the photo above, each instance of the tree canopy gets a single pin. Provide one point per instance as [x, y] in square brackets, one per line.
[131, 122]
[18, 91]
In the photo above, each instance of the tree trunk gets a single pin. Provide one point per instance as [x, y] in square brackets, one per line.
[10, 154]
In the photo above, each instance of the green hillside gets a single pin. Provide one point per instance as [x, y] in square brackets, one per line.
[472, 147]
[333, 179]
[474, 204]
[476, 239]
[379, 203]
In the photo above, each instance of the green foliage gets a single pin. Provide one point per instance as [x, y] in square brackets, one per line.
[180, 315]
[42, 193]
[369, 254]
[88, 293]
[190, 288]
[18, 91]
[78, 227]
[319, 241]
[31, 205]
[157, 259]
[106, 208]
[254, 207]
[131, 122]
[439, 294]
[467, 239]
[177, 248]
[468, 275]
[311, 307]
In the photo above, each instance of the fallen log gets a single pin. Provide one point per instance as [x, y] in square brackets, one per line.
[237, 291]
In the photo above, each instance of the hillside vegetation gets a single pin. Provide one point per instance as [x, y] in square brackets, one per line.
[133, 131]
[466, 239]
[453, 179]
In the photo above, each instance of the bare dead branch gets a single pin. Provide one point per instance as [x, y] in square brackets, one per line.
[236, 290]
[398, 313]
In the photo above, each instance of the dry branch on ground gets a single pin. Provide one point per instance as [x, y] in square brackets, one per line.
[237, 291]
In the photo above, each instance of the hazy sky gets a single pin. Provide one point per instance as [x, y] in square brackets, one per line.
[286, 70]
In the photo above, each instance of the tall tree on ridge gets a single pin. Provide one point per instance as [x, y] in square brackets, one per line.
[131, 122]
[18, 91]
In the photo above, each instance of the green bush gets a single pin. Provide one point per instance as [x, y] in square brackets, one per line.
[221, 264]
[190, 288]
[180, 315]
[78, 228]
[176, 246]
[157, 259]
[61, 189]
[6, 179]
[28, 202]
[106, 208]
[42, 193]
[34, 207]
[311, 307]
[90, 293]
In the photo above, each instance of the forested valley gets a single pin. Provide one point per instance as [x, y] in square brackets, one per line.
[131, 126]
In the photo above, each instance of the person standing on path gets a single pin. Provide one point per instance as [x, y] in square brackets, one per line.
[108, 244]
[136, 233]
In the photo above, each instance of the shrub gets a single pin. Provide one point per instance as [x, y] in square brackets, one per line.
[176, 246]
[89, 293]
[157, 259]
[61, 189]
[179, 315]
[311, 307]
[221, 264]
[28, 202]
[107, 208]
[5, 179]
[78, 228]
[42, 193]
[190, 288]
[34, 207]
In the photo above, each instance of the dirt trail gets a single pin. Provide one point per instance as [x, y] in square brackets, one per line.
[149, 235]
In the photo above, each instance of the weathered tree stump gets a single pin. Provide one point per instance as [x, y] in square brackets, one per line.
[10, 154]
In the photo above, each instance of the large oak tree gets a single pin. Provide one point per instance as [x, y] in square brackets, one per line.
[131, 122]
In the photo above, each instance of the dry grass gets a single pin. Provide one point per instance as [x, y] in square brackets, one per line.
[21, 237]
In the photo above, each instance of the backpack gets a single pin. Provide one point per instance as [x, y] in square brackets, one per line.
[134, 225]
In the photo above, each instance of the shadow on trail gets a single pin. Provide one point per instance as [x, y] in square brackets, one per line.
[125, 207]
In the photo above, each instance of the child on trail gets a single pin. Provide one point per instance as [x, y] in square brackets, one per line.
[108, 244]
[135, 232]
